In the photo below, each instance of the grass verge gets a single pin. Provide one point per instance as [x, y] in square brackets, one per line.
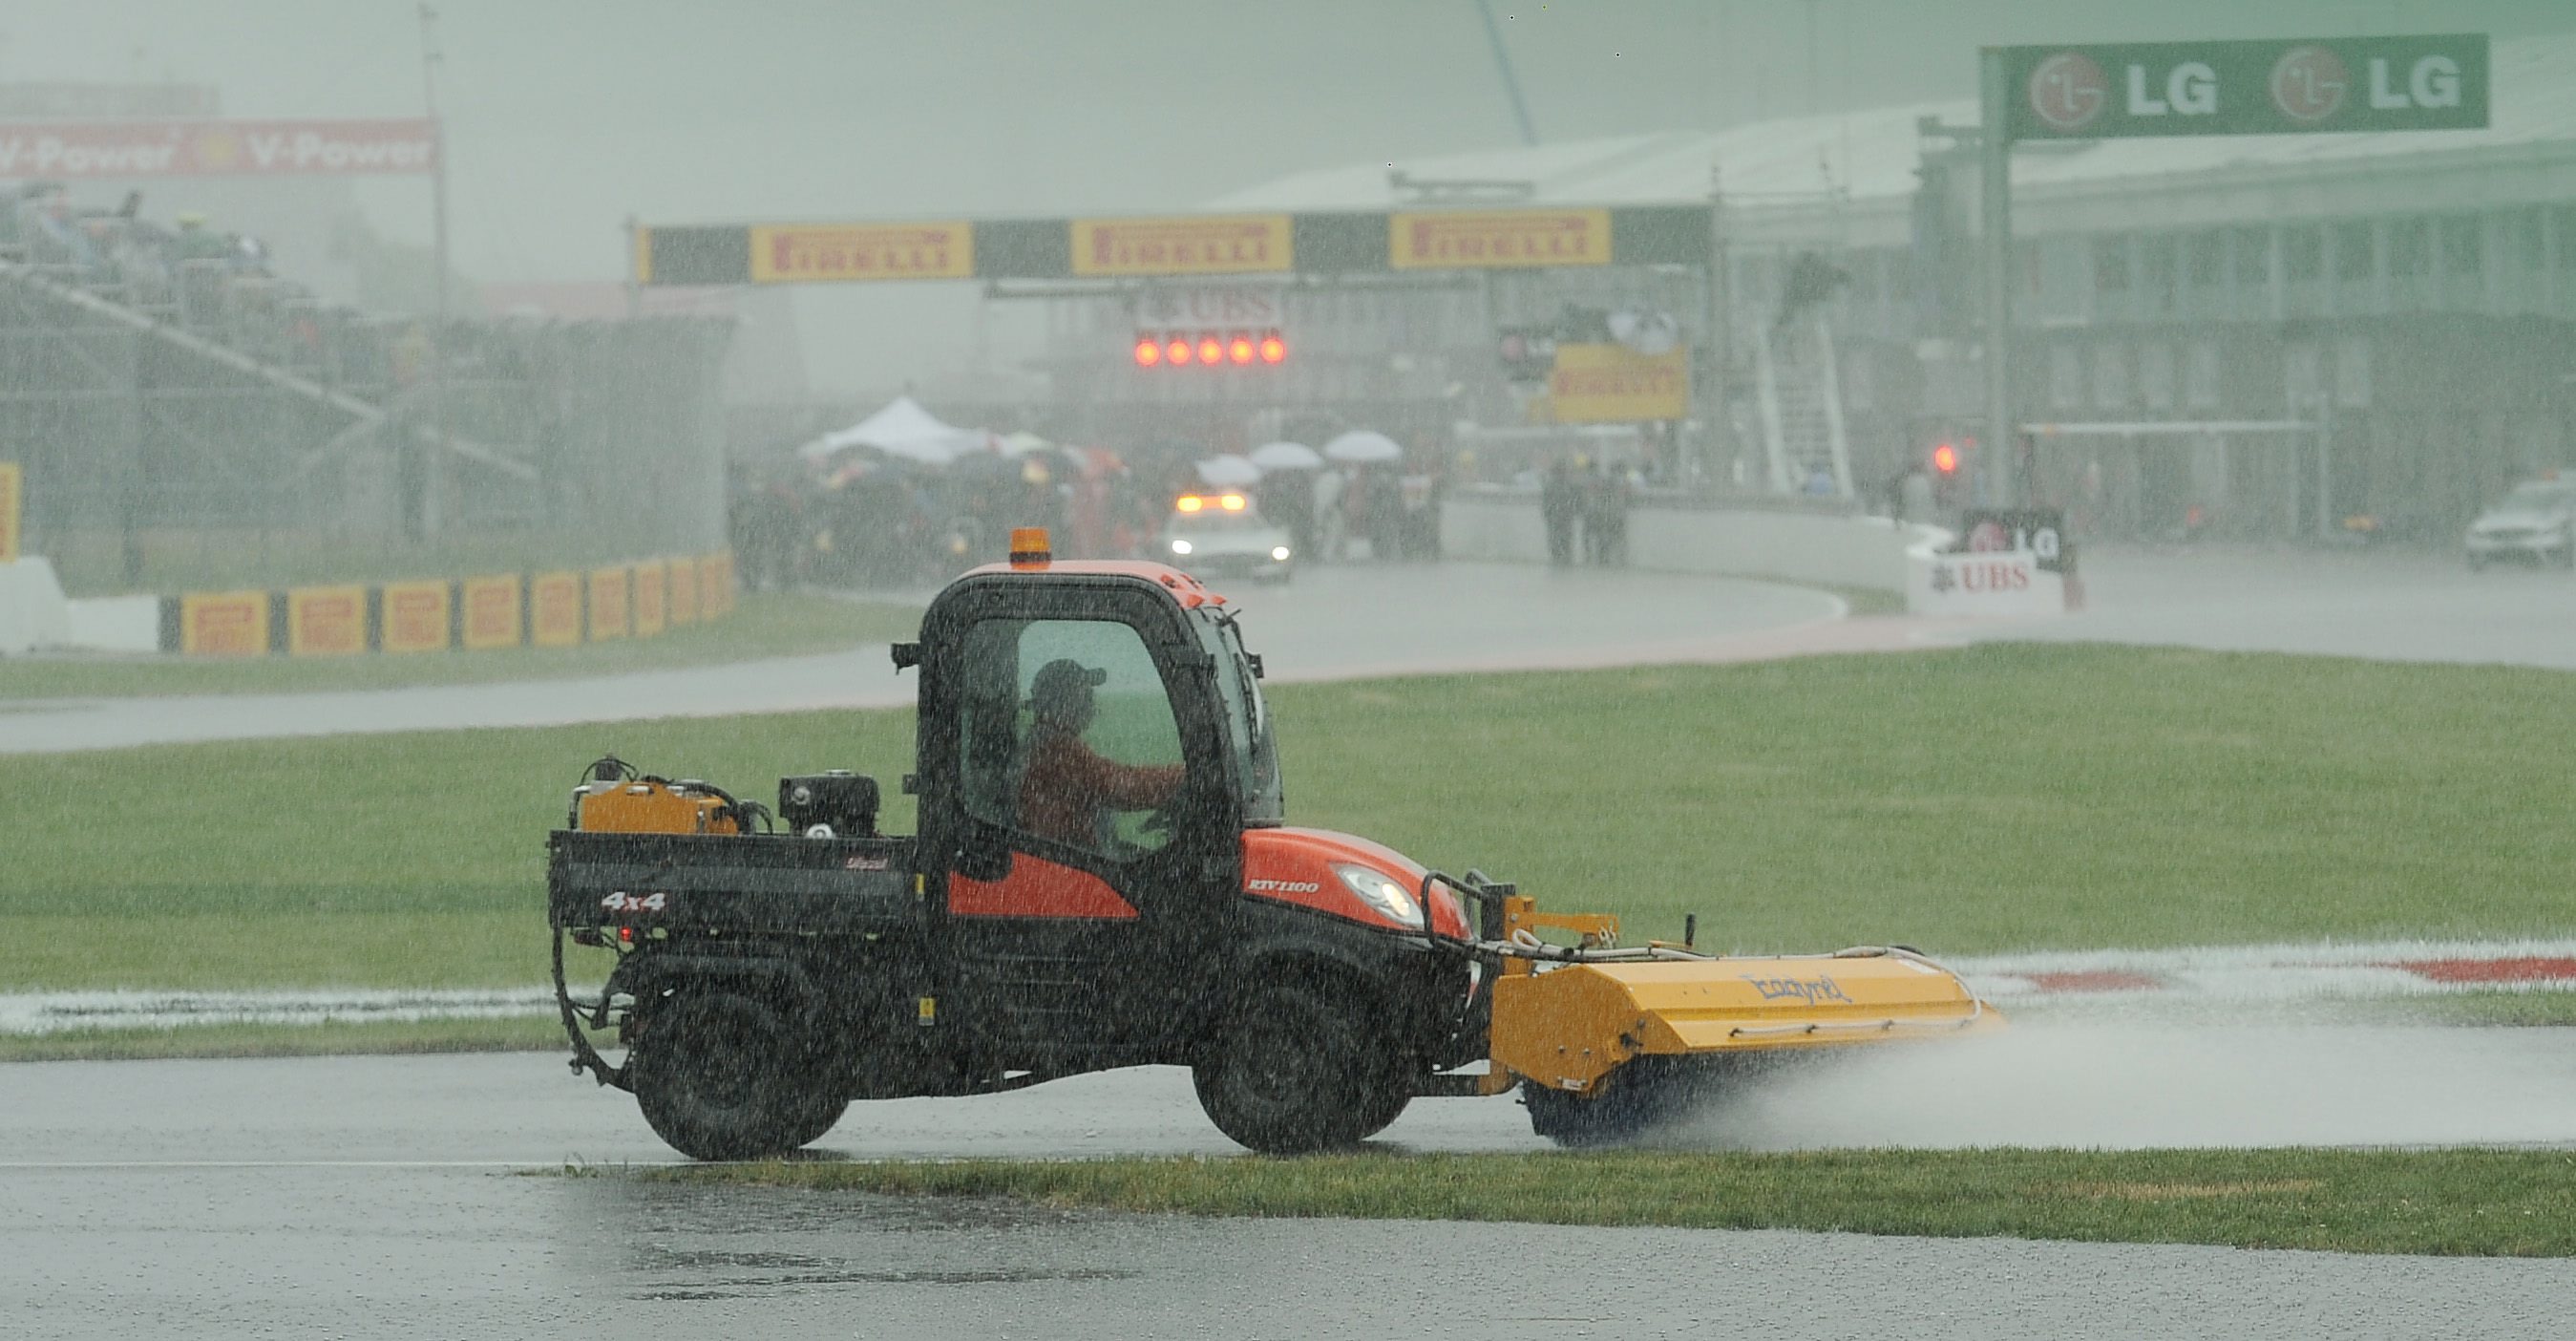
[1988, 799]
[766, 624]
[2448, 1202]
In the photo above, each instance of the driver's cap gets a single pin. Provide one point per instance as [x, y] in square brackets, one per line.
[1064, 680]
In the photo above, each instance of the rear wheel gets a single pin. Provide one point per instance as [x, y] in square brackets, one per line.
[716, 1074]
[1290, 1074]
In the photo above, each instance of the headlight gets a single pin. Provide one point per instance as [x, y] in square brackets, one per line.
[1380, 892]
[1180, 547]
[1280, 553]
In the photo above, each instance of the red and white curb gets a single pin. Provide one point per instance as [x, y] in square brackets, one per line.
[2243, 973]
[68, 1012]
[2285, 973]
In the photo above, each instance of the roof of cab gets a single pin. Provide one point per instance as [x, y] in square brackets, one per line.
[1188, 590]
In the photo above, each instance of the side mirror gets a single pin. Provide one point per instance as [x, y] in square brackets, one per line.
[906, 656]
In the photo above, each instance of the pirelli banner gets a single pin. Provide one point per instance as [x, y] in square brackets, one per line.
[1188, 245]
[476, 614]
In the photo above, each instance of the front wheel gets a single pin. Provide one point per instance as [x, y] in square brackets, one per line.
[1289, 1074]
[717, 1077]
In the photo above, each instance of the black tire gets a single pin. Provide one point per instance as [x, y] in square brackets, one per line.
[1631, 1101]
[717, 1077]
[1289, 1075]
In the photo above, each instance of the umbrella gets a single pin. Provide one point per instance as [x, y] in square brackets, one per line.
[1286, 456]
[1024, 442]
[1228, 471]
[1362, 445]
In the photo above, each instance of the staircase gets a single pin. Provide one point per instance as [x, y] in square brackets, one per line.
[1801, 399]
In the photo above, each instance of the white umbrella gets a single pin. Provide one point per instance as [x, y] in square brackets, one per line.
[1363, 445]
[1286, 456]
[1228, 471]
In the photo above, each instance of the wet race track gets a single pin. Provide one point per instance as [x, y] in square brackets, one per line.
[424, 1196]
[402, 1197]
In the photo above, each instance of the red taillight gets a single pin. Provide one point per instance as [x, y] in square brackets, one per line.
[1273, 349]
[626, 934]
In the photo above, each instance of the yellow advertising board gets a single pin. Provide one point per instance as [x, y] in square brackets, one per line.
[1214, 245]
[807, 253]
[1612, 384]
[415, 617]
[648, 599]
[492, 612]
[224, 623]
[607, 603]
[12, 486]
[554, 609]
[326, 621]
[684, 592]
[1489, 239]
[715, 585]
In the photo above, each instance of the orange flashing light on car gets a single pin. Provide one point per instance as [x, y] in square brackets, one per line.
[1030, 547]
[1231, 502]
[1190, 503]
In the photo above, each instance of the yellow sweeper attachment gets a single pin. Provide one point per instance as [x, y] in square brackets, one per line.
[1606, 1040]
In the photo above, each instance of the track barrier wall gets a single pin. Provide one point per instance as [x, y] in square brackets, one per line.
[1823, 542]
[563, 608]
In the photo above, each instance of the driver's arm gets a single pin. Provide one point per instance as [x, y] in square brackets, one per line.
[1083, 772]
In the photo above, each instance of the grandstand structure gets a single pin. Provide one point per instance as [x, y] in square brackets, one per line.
[182, 401]
[2263, 336]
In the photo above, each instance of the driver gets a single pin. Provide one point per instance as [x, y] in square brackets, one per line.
[1067, 784]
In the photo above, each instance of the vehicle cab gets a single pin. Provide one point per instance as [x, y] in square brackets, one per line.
[1210, 535]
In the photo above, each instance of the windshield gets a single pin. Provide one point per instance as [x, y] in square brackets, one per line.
[2535, 498]
[1216, 523]
[1254, 755]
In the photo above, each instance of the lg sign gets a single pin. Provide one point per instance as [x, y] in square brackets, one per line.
[2246, 88]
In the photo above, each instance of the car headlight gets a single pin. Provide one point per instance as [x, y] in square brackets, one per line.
[1279, 553]
[1379, 891]
[1180, 547]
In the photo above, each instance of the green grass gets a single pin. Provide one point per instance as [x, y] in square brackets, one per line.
[2451, 1202]
[285, 1040]
[1987, 799]
[763, 625]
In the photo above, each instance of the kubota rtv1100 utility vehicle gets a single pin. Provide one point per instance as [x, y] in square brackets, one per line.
[1103, 877]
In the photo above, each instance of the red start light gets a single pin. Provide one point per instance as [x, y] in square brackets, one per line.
[1211, 349]
[1239, 349]
[1945, 458]
[1273, 349]
[1179, 350]
[1149, 352]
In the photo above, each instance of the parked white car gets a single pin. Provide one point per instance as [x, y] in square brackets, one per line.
[2536, 522]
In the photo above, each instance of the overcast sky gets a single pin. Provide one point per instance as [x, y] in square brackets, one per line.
[566, 116]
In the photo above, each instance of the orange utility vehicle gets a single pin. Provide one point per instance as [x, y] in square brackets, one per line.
[1104, 876]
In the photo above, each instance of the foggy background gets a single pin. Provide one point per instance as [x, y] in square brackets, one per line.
[564, 119]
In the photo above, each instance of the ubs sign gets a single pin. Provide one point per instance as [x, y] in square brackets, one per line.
[2293, 86]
